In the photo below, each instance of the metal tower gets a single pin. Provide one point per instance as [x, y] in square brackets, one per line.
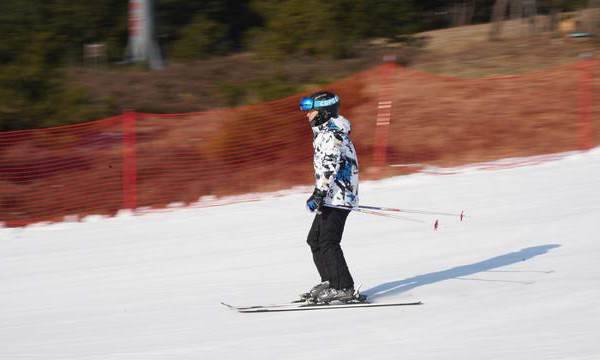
[142, 45]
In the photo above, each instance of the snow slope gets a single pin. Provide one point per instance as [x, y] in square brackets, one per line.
[519, 279]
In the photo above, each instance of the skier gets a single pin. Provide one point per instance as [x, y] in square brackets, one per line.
[336, 185]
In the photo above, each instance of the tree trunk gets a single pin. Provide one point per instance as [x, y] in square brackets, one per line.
[553, 23]
[498, 14]
[516, 9]
[530, 13]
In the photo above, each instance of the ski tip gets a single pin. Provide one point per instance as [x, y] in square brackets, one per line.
[228, 306]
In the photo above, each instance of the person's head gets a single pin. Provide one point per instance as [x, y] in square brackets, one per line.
[320, 107]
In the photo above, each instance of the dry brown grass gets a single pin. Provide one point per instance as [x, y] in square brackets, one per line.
[468, 52]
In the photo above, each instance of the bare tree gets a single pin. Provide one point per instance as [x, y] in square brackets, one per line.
[519, 9]
[553, 23]
[498, 14]
[461, 13]
[591, 17]
[516, 9]
[530, 14]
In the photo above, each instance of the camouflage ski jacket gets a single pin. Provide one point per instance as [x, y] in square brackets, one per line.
[335, 162]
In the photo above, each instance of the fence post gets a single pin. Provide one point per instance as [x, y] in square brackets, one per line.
[585, 101]
[384, 114]
[129, 160]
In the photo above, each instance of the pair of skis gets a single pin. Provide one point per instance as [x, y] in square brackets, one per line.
[302, 306]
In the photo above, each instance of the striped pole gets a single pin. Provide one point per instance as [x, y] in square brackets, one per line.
[384, 114]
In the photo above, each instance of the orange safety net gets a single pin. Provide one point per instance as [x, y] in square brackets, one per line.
[402, 119]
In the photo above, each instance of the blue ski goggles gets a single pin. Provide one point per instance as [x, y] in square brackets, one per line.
[307, 104]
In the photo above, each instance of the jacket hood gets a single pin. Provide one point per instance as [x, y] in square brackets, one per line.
[338, 123]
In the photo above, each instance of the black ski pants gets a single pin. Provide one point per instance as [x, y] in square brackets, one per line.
[324, 239]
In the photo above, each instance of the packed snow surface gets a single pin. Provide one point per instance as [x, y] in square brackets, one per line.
[517, 279]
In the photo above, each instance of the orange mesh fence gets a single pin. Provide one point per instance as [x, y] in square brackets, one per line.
[448, 121]
[45, 174]
[399, 117]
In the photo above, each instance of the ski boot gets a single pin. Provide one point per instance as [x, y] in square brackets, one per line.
[311, 295]
[344, 296]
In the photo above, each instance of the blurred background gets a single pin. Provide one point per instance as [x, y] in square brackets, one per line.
[106, 104]
[225, 53]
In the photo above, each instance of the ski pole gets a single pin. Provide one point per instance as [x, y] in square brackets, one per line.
[372, 212]
[367, 210]
[423, 212]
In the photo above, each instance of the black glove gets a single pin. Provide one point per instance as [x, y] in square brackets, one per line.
[315, 201]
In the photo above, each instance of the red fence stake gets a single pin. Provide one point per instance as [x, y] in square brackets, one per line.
[129, 161]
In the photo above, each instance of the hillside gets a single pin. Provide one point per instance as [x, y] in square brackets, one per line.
[244, 78]
[435, 120]
[467, 51]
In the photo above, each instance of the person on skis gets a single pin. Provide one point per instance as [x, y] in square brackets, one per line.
[336, 190]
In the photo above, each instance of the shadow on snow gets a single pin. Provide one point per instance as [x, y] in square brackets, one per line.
[399, 286]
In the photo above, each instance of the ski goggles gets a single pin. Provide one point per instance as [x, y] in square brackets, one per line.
[307, 104]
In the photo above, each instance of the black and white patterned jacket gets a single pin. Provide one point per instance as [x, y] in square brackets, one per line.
[335, 162]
